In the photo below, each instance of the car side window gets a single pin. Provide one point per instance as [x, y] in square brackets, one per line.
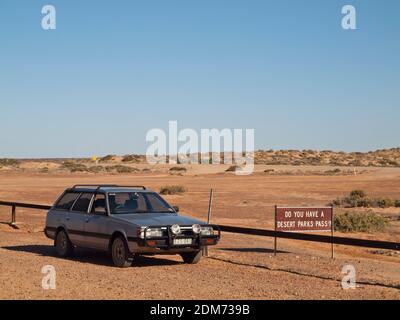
[157, 204]
[99, 205]
[66, 202]
[82, 204]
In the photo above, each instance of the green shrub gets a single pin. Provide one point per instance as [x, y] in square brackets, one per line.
[384, 203]
[359, 222]
[358, 194]
[172, 189]
[397, 203]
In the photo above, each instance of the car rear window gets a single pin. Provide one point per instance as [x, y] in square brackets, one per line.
[82, 204]
[66, 202]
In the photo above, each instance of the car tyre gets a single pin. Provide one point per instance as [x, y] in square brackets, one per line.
[63, 245]
[120, 254]
[192, 257]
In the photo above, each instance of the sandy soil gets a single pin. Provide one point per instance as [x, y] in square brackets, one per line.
[240, 267]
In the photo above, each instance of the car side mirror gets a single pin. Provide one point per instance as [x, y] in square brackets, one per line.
[176, 208]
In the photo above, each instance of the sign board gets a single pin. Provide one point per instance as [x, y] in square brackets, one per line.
[304, 219]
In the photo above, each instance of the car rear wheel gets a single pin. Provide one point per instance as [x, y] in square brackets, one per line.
[63, 245]
[120, 253]
[191, 257]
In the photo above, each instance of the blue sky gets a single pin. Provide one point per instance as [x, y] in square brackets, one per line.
[112, 70]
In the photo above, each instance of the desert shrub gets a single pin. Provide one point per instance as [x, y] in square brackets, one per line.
[332, 172]
[109, 157]
[359, 199]
[269, 171]
[130, 158]
[397, 203]
[359, 222]
[179, 169]
[74, 167]
[121, 169]
[172, 189]
[44, 170]
[232, 168]
[384, 203]
[336, 203]
[358, 194]
[9, 162]
[95, 169]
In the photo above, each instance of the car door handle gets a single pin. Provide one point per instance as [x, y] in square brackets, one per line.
[87, 220]
[67, 218]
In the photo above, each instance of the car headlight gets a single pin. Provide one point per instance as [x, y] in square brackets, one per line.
[175, 229]
[152, 233]
[196, 228]
[207, 231]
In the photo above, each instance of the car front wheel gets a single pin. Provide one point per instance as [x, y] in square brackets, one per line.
[191, 257]
[120, 253]
[63, 245]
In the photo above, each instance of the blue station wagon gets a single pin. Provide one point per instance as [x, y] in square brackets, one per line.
[126, 221]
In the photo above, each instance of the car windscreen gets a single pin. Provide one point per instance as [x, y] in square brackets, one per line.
[137, 202]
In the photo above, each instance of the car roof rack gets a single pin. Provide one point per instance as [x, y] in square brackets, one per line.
[99, 186]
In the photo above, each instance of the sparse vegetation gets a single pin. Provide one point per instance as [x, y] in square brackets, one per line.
[9, 162]
[379, 158]
[74, 167]
[96, 169]
[397, 203]
[360, 199]
[178, 169]
[109, 157]
[131, 158]
[232, 168]
[121, 169]
[360, 222]
[172, 189]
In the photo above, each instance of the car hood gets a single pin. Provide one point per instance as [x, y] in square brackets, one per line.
[158, 219]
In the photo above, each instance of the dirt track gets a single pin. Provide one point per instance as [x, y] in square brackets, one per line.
[241, 267]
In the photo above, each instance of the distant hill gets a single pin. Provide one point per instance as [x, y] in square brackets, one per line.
[378, 158]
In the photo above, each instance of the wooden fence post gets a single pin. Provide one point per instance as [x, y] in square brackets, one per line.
[13, 215]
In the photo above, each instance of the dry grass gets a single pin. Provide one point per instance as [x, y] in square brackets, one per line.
[172, 189]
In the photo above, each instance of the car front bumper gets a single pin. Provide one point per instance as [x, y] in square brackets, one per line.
[167, 243]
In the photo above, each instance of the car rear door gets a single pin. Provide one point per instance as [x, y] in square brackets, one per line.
[96, 226]
[76, 219]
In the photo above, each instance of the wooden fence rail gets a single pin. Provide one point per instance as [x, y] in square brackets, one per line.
[251, 231]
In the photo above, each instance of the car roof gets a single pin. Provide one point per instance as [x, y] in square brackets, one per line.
[108, 188]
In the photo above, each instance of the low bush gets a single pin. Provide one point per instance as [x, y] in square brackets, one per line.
[384, 203]
[74, 167]
[232, 168]
[8, 162]
[172, 189]
[179, 169]
[121, 169]
[96, 169]
[359, 222]
[109, 157]
[359, 199]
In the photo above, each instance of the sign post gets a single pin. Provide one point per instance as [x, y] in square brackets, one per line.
[332, 229]
[275, 240]
[304, 219]
[205, 249]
